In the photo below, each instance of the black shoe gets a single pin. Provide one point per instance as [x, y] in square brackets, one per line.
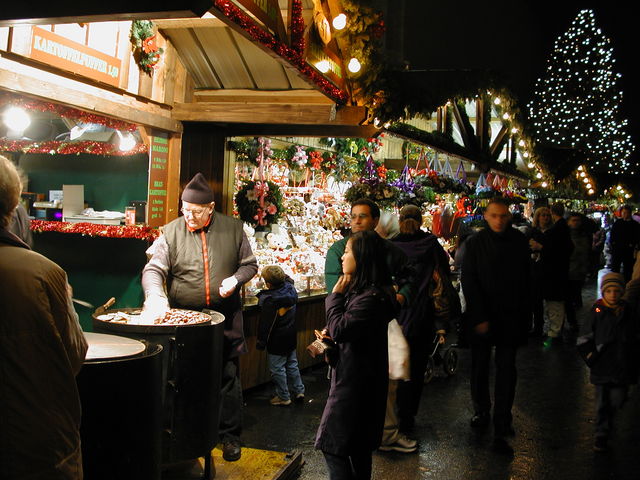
[505, 431]
[231, 450]
[480, 420]
[501, 446]
[601, 444]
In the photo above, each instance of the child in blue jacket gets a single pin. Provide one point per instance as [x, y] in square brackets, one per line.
[609, 345]
[277, 333]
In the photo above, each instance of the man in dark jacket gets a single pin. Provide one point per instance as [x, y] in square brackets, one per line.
[495, 281]
[624, 239]
[177, 261]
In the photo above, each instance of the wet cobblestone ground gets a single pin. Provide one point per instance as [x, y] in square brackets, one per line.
[553, 418]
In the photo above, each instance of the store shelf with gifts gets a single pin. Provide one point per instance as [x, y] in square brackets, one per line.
[294, 195]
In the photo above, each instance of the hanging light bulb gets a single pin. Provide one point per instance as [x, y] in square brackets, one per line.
[591, 191]
[16, 119]
[127, 142]
[544, 184]
[339, 21]
[531, 165]
[323, 66]
[354, 65]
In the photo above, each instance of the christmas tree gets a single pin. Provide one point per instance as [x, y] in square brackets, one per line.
[577, 102]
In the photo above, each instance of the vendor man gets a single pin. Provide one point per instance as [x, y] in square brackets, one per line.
[177, 262]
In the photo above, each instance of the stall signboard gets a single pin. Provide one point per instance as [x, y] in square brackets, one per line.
[58, 51]
[158, 177]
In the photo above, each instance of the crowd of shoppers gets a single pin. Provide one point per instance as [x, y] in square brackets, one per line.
[517, 280]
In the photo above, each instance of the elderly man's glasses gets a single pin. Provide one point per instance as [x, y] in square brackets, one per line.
[196, 212]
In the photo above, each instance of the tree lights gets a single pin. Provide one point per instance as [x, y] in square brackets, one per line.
[577, 101]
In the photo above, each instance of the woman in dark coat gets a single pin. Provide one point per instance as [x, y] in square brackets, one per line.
[541, 223]
[358, 312]
[429, 313]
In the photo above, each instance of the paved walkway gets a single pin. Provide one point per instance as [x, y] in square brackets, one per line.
[553, 418]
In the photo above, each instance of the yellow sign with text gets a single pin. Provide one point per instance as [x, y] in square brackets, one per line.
[68, 55]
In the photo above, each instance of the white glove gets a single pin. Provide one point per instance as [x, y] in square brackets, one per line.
[228, 286]
[155, 308]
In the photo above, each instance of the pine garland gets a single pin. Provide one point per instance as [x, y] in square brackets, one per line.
[145, 46]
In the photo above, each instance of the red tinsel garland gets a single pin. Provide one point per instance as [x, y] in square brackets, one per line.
[69, 148]
[97, 230]
[67, 112]
[297, 27]
[293, 54]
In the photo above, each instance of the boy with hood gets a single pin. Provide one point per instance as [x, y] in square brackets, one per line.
[277, 333]
[609, 346]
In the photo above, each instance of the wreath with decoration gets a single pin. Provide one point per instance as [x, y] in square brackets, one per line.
[146, 51]
[248, 203]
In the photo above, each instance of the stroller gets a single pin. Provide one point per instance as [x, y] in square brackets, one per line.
[441, 356]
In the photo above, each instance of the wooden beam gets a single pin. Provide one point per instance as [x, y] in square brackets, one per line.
[65, 11]
[463, 126]
[210, 22]
[262, 96]
[498, 142]
[285, 130]
[480, 123]
[269, 113]
[173, 179]
[25, 79]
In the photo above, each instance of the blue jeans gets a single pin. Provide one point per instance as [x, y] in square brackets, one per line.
[285, 368]
[609, 400]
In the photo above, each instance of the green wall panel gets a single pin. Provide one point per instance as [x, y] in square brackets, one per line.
[110, 183]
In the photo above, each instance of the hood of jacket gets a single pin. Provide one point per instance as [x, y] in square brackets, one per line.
[283, 296]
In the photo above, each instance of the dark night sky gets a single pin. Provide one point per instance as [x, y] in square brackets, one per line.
[516, 38]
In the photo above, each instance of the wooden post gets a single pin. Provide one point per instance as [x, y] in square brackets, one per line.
[173, 180]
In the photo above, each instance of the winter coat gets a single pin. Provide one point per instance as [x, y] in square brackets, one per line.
[428, 312]
[555, 261]
[625, 236]
[403, 275]
[581, 255]
[496, 284]
[277, 323]
[176, 261]
[41, 350]
[614, 342]
[353, 417]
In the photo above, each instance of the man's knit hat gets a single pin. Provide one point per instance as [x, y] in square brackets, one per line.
[197, 191]
[273, 275]
[610, 279]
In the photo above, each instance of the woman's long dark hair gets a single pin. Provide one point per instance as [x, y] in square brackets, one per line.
[370, 253]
